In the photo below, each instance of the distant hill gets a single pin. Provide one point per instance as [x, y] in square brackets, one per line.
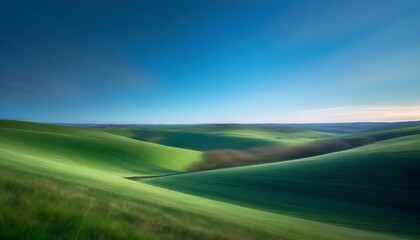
[351, 128]
[220, 136]
[232, 158]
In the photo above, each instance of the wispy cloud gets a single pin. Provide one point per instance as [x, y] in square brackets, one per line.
[356, 114]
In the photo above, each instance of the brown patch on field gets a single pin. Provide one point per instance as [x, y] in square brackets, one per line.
[232, 158]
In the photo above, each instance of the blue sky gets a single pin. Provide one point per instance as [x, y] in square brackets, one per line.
[210, 61]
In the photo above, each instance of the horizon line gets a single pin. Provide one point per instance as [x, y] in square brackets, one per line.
[208, 123]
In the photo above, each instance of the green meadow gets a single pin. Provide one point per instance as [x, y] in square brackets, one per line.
[220, 136]
[135, 182]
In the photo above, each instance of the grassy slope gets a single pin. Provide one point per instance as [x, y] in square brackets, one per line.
[224, 159]
[91, 148]
[373, 187]
[44, 196]
[210, 137]
[34, 206]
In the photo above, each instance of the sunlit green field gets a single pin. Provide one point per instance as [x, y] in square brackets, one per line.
[61, 182]
[224, 136]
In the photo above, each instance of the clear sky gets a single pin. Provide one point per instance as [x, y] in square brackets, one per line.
[209, 61]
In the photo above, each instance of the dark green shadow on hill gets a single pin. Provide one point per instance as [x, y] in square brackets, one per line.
[374, 187]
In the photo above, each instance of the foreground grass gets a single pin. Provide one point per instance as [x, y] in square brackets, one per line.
[38, 207]
[33, 207]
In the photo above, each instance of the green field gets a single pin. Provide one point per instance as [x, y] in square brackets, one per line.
[100, 151]
[221, 136]
[59, 182]
[373, 187]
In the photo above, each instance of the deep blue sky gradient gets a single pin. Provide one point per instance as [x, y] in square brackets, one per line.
[209, 61]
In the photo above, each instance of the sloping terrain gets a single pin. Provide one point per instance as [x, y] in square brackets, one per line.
[232, 158]
[69, 183]
[373, 187]
[91, 148]
[220, 136]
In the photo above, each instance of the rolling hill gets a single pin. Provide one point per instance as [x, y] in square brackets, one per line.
[232, 158]
[84, 147]
[352, 127]
[70, 183]
[373, 187]
[220, 136]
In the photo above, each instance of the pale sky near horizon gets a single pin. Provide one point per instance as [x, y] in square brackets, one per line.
[210, 61]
